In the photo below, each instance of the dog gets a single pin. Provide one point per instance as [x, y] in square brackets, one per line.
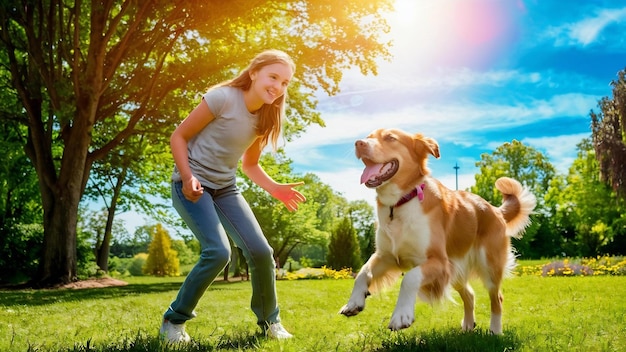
[438, 238]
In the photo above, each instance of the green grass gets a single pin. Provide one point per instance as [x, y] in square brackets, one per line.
[541, 314]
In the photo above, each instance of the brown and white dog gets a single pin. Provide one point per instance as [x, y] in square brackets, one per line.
[438, 237]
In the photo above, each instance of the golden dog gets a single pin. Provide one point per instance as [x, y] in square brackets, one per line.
[438, 237]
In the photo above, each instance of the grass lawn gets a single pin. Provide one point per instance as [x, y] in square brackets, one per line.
[541, 314]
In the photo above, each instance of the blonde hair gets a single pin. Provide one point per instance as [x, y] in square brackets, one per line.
[270, 115]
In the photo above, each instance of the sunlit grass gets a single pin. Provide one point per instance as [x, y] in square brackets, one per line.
[541, 314]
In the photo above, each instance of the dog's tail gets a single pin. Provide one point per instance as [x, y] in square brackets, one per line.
[517, 205]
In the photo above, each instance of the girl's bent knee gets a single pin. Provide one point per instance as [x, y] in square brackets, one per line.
[216, 256]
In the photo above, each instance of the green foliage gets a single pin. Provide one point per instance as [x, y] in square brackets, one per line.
[20, 250]
[307, 231]
[137, 264]
[364, 222]
[585, 208]
[162, 259]
[516, 160]
[126, 245]
[100, 87]
[287, 230]
[21, 232]
[343, 249]
[185, 254]
[534, 171]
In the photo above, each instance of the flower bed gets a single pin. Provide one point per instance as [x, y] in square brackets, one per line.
[315, 273]
[601, 265]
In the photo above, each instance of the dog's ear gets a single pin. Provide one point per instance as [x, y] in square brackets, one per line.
[433, 146]
[429, 144]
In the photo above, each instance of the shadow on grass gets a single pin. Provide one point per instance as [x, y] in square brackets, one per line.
[451, 340]
[142, 343]
[46, 296]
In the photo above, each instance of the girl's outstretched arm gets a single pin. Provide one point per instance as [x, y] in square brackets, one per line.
[284, 192]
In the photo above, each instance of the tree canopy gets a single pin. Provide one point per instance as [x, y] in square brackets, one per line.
[89, 75]
[531, 168]
[608, 129]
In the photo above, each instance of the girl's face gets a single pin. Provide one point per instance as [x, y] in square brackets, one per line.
[270, 82]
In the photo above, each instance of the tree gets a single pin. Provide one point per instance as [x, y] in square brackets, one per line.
[284, 230]
[608, 128]
[343, 250]
[127, 246]
[361, 215]
[127, 178]
[185, 254]
[88, 75]
[162, 259]
[96, 225]
[531, 168]
[587, 205]
[21, 233]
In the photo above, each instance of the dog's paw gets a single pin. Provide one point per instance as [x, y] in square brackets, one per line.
[468, 325]
[401, 319]
[351, 309]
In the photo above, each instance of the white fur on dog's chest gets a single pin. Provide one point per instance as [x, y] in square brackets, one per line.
[406, 236]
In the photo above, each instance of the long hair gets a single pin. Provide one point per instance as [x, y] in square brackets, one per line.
[270, 115]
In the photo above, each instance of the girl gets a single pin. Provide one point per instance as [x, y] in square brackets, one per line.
[235, 120]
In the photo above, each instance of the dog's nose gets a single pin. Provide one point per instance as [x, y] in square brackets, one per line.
[359, 143]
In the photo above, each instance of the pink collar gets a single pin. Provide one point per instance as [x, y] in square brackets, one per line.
[416, 192]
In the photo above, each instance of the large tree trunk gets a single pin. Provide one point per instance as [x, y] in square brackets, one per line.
[58, 264]
[61, 201]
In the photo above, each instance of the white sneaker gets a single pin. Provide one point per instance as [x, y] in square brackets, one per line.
[277, 331]
[174, 333]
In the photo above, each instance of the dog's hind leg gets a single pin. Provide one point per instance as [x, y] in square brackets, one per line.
[496, 310]
[492, 281]
[467, 295]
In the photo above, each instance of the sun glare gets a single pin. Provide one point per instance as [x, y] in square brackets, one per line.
[457, 32]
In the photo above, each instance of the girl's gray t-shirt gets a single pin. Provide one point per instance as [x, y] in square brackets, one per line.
[214, 153]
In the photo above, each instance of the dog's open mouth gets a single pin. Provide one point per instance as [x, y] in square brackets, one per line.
[375, 174]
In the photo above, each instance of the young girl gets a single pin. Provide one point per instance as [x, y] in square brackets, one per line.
[235, 120]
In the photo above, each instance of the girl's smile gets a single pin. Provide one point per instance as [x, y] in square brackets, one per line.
[268, 84]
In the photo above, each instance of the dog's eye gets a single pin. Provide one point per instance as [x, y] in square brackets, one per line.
[389, 138]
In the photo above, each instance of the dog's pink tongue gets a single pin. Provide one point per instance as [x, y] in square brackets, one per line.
[370, 171]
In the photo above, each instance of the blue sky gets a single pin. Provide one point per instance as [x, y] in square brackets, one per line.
[474, 74]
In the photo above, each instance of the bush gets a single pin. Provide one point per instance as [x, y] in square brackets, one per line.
[136, 266]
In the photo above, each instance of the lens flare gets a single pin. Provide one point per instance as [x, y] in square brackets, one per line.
[468, 33]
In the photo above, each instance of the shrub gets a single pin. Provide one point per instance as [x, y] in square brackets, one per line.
[136, 266]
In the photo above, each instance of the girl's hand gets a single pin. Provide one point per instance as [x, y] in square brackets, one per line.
[192, 189]
[289, 196]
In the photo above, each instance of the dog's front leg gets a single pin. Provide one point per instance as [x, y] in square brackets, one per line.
[356, 303]
[404, 313]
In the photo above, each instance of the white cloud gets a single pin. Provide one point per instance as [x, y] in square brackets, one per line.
[588, 30]
[559, 149]
[446, 121]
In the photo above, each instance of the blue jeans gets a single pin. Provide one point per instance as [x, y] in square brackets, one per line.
[215, 214]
